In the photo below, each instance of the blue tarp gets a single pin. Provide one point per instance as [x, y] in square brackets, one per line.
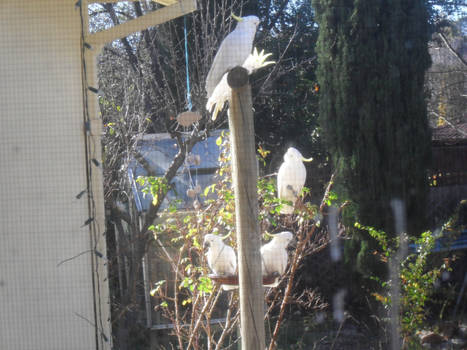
[447, 241]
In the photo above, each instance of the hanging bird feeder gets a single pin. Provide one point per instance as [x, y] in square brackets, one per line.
[191, 193]
[189, 117]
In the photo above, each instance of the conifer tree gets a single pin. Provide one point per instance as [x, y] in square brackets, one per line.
[372, 60]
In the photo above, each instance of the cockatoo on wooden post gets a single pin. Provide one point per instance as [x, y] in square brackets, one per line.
[222, 92]
[291, 178]
[234, 50]
[221, 258]
[274, 256]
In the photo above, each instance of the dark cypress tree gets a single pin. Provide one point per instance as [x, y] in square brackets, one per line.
[372, 59]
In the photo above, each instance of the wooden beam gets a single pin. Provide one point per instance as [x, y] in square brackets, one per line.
[150, 19]
[107, 1]
[245, 178]
[162, 2]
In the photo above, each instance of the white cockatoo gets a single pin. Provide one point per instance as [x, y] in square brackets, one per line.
[234, 50]
[274, 256]
[291, 178]
[221, 258]
[222, 92]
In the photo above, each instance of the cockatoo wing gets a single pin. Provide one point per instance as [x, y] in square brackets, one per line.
[231, 260]
[231, 265]
[222, 260]
[290, 181]
[274, 259]
[234, 50]
[219, 97]
[222, 92]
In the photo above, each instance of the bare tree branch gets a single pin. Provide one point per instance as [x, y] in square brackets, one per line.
[294, 265]
[451, 49]
[169, 175]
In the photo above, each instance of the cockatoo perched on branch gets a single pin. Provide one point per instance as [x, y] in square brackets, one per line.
[221, 258]
[274, 256]
[222, 92]
[291, 178]
[234, 50]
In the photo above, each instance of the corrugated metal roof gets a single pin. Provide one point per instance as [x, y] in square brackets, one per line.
[449, 133]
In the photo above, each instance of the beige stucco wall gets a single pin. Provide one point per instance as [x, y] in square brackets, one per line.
[42, 169]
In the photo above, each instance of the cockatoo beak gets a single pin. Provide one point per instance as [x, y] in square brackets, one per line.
[307, 160]
[205, 245]
[238, 19]
[226, 236]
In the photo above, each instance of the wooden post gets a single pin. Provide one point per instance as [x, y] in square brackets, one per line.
[245, 177]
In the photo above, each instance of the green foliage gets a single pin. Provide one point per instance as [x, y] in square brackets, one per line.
[381, 237]
[140, 80]
[157, 286]
[331, 198]
[155, 186]
[189, 291]
[416, 277]
[182, 233]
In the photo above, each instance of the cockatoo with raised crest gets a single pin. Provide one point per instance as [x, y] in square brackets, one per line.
[291, 178]
[222, 93]
[234, 50]
[221, 258]
[274, 256]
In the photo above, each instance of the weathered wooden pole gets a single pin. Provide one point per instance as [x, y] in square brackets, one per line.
[245, 177]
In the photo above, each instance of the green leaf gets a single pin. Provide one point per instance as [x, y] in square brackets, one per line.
[157, 287]
[155, 199]
[209, 188]
[205, 285]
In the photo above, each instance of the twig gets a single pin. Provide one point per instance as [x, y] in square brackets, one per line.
[144, 163]
[194, 308]
[177, 311]
[278, 61]
[208, 316]
[227, 323]
[74, 257]
[93, 325]
[451, 49]
[337, 334]
[185, 148]
[294, 266]
[169, 257]
[198, 321]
